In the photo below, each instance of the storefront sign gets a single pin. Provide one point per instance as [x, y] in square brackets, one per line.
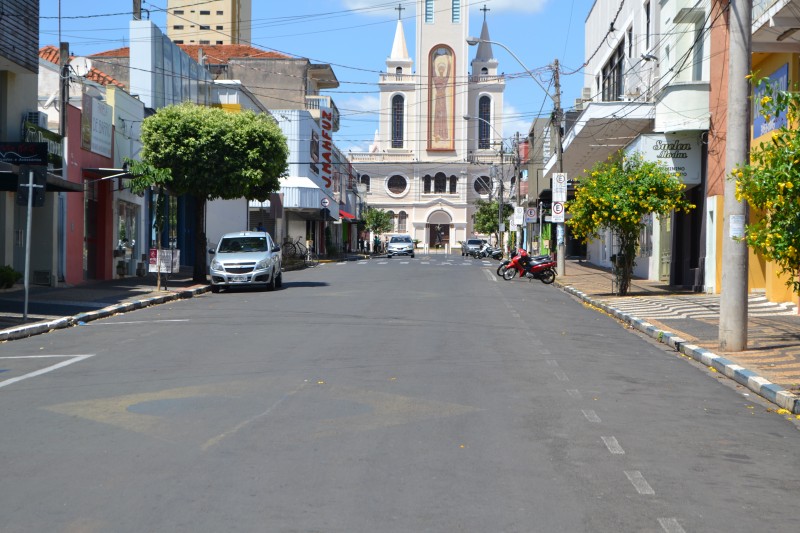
[326, 149]
[54, 141]
[780, 82]
[96, 126]
[680, 154]
[28, 153]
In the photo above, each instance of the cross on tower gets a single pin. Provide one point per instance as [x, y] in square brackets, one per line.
[484, 9]
[399, 10]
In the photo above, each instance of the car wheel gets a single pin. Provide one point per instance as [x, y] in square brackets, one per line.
[412, 256]
[279, 281]
[389, 256]
[215, 289]
[272, 283]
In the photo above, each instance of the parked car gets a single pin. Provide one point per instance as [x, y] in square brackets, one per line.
[400, 245]
[246, 259]
[470, 245]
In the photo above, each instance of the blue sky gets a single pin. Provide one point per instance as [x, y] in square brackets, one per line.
[355, 36]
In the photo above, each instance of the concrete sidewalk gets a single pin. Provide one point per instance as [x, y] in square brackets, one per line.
[689, 322]
[51, 308]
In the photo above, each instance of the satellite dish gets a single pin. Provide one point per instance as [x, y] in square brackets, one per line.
[81, 65]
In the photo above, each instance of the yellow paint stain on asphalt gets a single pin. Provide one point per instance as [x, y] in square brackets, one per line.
[386, 410]
[116, 410]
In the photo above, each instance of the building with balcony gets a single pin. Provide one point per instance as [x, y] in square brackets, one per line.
[647, 82]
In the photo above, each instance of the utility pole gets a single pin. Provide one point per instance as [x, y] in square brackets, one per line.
[733, 297]
[561, 247]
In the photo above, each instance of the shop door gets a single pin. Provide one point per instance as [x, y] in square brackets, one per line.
[665, 258]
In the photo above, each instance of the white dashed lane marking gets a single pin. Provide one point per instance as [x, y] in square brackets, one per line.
[613, 446]
[639, 482]
[591, 416]
[671, 525]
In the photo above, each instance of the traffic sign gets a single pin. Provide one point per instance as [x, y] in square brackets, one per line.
[558, 212]
[559, 187]
[530, 215]
[325, 202]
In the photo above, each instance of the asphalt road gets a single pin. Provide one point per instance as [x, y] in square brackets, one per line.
[383, 396]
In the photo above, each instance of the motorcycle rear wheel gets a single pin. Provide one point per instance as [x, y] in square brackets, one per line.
[548, 276]
[509, 273]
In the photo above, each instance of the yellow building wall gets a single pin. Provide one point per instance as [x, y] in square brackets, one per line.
[763, 274]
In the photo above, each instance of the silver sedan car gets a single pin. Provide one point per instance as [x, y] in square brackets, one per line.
[400, 245]
[246, 259]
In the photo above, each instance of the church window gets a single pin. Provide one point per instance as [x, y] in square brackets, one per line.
[397, 184]
[484, 122]
[365, 181]
[402, 217]
[483, 185]
[399, 71]
[484, 71]
[397, 121]
[428, 11]
[426, 184]
[440, 183]
[453, 182]
[392, 219]
[456, 10]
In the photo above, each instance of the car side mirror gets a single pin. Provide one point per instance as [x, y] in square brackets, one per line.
[212, 251]
[276, 248]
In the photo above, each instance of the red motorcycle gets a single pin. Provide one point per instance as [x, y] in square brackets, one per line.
[541, 267]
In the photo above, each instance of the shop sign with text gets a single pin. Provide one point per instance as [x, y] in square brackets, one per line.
[680, 153]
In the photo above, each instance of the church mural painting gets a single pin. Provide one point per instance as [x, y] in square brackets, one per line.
[441, 99]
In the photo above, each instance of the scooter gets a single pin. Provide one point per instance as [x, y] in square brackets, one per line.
[541, 267]
[488, 251]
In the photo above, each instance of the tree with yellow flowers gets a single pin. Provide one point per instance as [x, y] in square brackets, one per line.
[771, 183]
[616, 195]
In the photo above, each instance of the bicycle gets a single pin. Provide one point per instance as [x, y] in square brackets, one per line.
[294, 249]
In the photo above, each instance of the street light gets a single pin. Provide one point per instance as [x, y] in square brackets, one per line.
[557, 111]
[500, 197]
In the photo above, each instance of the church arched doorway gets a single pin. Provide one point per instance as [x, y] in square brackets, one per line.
[438, 226]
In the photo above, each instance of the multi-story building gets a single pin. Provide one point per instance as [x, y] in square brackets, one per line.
[439, 142]
[209, 23]
[646, 90]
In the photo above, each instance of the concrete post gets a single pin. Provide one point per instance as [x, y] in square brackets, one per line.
[733, 298]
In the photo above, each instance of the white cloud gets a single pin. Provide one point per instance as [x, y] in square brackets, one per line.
[513, 122]
[383, 8]
[362, 104]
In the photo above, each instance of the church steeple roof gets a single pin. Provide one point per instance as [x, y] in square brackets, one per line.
[484, 52]
[399, 48]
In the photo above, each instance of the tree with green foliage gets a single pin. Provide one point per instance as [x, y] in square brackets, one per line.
[616, 195]
[771, 183]
[207, 154]
[486, 217]
[377, 220]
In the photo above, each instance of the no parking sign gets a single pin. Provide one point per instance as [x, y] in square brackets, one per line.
[558, 212]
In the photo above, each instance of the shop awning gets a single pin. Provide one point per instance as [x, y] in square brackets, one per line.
[345, 214]
[9, 178]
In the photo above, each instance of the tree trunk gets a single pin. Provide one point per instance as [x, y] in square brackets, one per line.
[199, 275]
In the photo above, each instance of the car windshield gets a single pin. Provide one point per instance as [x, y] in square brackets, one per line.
[474, 241]
[400, 239]
[243, 244]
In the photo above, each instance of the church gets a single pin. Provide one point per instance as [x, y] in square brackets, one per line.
[439, 144]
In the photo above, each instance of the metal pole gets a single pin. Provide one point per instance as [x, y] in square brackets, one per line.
[561, 247]
[28, 224]
[500, 204]
[733, 297]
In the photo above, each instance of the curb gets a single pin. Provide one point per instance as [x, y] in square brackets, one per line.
[747, 378]
[29, 330]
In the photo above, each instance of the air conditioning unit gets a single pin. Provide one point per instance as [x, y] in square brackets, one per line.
[587, 93]
[37, 117]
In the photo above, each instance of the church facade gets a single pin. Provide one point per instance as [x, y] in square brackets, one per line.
[438, 146]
